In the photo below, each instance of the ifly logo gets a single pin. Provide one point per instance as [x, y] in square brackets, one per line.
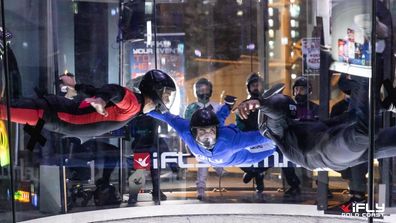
[275, 160]
[346, 208]
[141, 161]
[362, 209]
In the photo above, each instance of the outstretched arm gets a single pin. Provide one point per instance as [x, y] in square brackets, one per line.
[85, 90]
[111, 93]
[179, 124]
[124, 99]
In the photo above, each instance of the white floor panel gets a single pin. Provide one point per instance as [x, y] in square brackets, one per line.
[177, 211]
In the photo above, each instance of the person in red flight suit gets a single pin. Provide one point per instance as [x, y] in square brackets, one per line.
[105, 109]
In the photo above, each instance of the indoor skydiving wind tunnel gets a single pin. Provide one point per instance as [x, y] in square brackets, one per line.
[172, 110]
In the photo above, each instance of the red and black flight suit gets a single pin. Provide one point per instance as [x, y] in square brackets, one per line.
[77, 117]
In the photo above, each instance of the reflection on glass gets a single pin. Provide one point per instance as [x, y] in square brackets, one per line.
[211, 49]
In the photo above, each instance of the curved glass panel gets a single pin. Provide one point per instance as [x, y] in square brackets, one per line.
[81, 140]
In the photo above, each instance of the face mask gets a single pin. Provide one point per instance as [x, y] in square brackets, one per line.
[345, 86]
[301, 98]
[203, 98]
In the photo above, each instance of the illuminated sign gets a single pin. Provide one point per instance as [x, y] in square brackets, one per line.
[22, 196]
[170, 55]
[4, 146]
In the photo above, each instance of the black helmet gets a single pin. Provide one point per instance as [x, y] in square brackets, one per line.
[153, 85]
[304, 82]
[253, 77]
[203, 81]
[204, 117]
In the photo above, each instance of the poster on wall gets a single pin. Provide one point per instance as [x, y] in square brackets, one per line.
[170, 59]
[311, 55]
[170, 56]
[354, 48]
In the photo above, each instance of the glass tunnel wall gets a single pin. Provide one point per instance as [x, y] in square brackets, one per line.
[308, 45]
[6, 186]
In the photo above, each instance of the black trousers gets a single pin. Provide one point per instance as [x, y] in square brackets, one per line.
[291, 177]
[256, 172]
[357, 178]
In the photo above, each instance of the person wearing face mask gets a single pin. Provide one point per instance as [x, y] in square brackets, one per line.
[306, 109]
[108, 108]
[203, 89]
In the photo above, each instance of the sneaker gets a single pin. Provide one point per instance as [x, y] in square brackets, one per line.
[275, 89]
[278, 106]
[162, 196]
[275, 113]
[200, 197]
[201, 194]
[259, 196]
[247, 177]
[292, 192]
[106, 194]
[259, 178]
[132, 200]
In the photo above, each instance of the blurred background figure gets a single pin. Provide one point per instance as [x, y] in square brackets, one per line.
[254, 87]
[306, 110]
[145, 139]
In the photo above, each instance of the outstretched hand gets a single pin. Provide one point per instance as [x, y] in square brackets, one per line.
[99, 104]
[244, 108]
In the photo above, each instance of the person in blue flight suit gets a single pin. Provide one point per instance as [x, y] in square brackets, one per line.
[212, 142]
[203, 90]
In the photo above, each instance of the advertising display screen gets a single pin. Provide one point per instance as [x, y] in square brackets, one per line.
[170, 58]
[351, 36]
[170, 55]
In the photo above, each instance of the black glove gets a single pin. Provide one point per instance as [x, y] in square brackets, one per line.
[230, 100]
